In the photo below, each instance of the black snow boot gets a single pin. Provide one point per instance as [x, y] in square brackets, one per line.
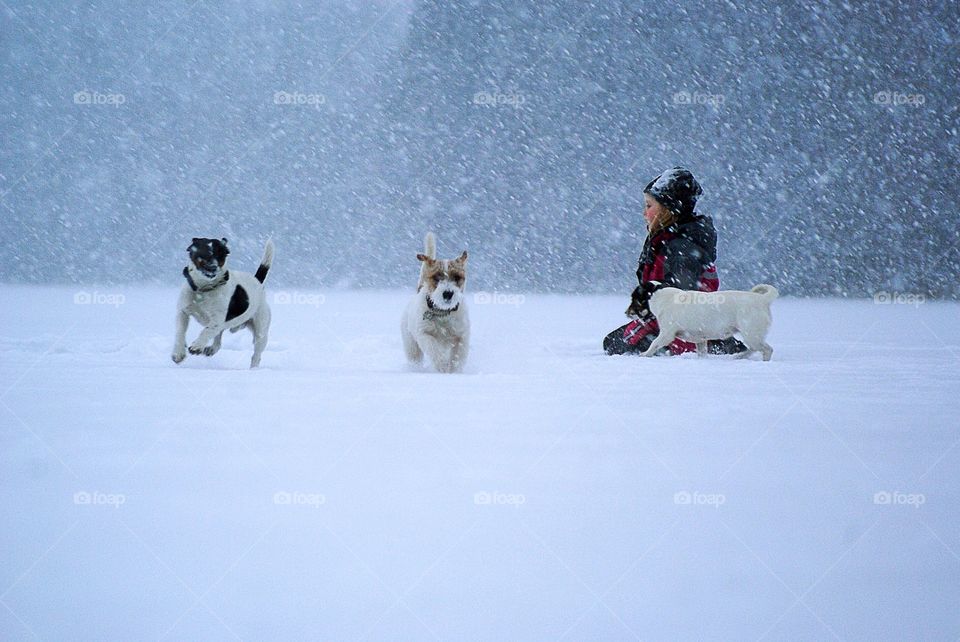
[616, 343]
[730, 345]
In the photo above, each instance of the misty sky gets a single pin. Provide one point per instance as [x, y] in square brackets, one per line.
[825, 135]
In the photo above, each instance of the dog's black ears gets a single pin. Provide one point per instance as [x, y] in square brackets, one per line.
[198, 241]
[423, 257]
[463, 257]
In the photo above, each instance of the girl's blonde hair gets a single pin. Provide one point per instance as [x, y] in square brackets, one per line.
[665, 218]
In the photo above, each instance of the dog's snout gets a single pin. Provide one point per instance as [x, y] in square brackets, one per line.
[447, 295]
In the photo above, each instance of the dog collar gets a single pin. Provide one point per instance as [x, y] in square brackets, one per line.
[433, 313]
[205, 288]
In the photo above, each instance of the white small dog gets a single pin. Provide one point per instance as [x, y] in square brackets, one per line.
[435, 322]
[699, 316]
[221, 300]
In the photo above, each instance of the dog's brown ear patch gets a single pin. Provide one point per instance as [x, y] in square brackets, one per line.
[423, 257]
[463, 257]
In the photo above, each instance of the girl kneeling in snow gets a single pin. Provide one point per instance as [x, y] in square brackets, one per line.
[679, 251]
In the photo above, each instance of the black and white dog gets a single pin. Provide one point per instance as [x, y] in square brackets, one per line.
[221, 300]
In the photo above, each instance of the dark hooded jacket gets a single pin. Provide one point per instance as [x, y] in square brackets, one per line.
[682, 256]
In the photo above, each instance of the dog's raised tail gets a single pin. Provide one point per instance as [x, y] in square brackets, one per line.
[430, 245]
[429, 251]
[766, 291]
[265, 262]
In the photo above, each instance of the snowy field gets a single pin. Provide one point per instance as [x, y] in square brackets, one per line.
[548, 493]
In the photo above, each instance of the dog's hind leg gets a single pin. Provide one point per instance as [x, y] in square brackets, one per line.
[755, 344]
[238, 328]
[766, 350]
[261, 329]
[701, 348]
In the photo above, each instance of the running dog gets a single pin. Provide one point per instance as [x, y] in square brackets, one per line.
[435, 322]
[221, 300]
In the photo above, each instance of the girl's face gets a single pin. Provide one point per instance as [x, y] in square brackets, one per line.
[652, 209]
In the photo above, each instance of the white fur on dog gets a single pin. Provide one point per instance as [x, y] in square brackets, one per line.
[699, 316]
[209, 304]
[432, 325]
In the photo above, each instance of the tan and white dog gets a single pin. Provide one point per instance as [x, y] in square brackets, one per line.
[699, 316]
[435, 322]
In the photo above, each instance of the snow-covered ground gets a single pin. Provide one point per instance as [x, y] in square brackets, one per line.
[550, 492]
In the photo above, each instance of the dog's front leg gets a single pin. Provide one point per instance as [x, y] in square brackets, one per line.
[180, 337]
[458, 354]
[199, 346]
[666, 336]
[437, 351]
[211, 350]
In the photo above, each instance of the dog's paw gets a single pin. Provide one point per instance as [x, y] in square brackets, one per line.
[178, 356]
[195, 349]
[209, 351]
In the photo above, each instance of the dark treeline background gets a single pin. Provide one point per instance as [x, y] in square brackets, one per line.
[825, 135]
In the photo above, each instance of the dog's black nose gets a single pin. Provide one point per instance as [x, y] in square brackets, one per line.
[447, 295]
